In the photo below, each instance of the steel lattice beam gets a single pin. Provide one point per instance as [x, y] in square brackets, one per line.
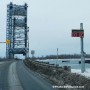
[17, 30]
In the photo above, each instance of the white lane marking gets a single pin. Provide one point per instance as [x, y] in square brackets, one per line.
[1, 62]
[14, 83]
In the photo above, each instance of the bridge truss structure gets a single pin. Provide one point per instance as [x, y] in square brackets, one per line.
[17, 39]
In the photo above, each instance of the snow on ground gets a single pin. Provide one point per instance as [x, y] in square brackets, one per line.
[86, 73]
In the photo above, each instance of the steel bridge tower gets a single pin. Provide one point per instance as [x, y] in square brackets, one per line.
[17, 40]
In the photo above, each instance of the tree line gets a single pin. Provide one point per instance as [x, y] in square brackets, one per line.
[62, 56]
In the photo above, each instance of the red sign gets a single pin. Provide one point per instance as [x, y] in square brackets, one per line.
[77, 33]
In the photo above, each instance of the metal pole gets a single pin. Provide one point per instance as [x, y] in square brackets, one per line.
[57, 57]
[57, 53]
[82, 52]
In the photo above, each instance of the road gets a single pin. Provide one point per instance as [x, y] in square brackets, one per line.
[14, 75]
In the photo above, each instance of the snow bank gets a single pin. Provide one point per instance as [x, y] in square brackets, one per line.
[86, 73]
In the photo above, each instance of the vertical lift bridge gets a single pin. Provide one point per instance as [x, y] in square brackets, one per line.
[17, 41]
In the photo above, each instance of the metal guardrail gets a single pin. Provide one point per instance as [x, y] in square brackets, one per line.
[52, 66]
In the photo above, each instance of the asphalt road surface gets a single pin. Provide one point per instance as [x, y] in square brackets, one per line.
[14, 75]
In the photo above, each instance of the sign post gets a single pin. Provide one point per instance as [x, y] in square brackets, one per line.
[82, 52]
[80, 33]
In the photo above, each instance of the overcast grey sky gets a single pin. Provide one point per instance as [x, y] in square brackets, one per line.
[50, 23]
